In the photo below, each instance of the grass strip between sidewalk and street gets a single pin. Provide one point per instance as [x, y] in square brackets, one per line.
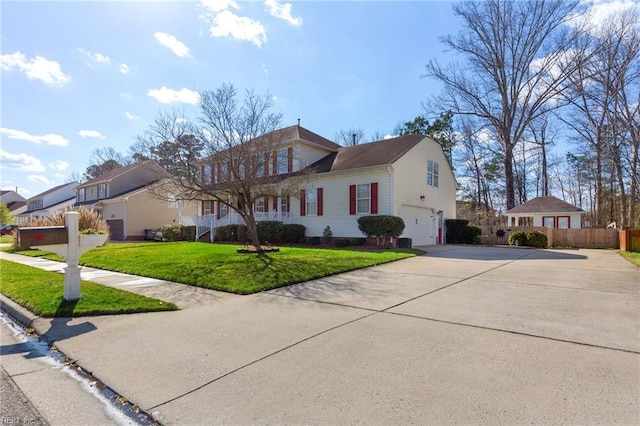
[220, 267]
[42, 292]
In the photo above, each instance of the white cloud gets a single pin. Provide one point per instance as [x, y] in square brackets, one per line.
[124, 68]
[282, 11]
[131, 116]
[219, 5]
[226, 23]
[22, 162]
[91, 134]
[94, 57]
[126, 96]
[39, 179]
[176, 46]
[599, 11]
[38, 68]
[389, 136]
[167, 96]
[49, 139]
[265, 70]
[59, 165]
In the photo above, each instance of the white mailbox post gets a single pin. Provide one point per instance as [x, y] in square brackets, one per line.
[77, 244]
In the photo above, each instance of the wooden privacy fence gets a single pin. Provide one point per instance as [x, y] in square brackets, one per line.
[574, 238]
[630, 240]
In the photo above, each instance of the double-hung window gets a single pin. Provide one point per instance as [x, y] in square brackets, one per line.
[283, 159]
[259, 205]
[311, 202]
[207, 207]
[433, 171]
[102, 191]
[81, 194]
[363, 198]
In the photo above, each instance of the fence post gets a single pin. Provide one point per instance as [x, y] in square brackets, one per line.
[624, 239]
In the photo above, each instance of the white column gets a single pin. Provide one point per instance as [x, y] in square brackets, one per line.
[72, 271]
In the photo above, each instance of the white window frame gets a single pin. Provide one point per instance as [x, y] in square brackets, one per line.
[82, 195]
[208, 173]
[283, 161]
[311, 202]
[284, 208]
[433, 173]
[360, 197]
[224, 209]
[258, 206]
[102, 190]
[207, 210]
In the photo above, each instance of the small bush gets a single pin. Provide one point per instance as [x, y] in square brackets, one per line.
[188, 233]
[89, 221]
[242, 233]
[537, 239]
[381, 226]
[327, 235]
[228, 233]
[171, 232]
[472, 235]
[518, 238]
[456, 229]
[293, 233]
[269, 231]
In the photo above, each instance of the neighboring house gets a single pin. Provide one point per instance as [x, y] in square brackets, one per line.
[549, 211]
[407, 176]
[125, 199]
[15, 202]
[48, 203]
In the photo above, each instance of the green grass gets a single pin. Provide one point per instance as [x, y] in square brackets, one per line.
[220, 267]
[6, 239]
[631, 257]
[42, 293]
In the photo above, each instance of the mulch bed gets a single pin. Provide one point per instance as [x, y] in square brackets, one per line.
[253, 249]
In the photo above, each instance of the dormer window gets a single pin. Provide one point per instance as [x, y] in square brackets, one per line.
[81, 194]
[283, 160]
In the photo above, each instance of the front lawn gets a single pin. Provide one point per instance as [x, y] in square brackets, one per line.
[220, 267]
[41, 292]
[631, 257]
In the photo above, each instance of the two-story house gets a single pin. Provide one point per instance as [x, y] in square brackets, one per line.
[407, 176]
[48, 202]
[125, 199]
[15, 202]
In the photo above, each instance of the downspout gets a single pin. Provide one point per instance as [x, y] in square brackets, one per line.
[124, 221]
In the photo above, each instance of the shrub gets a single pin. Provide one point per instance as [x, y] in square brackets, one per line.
[171, 232]
[293, 233]
[188, 233]
[456, 229]
[242, 233]
[269, 231]
[227, 233]
[537, 239]
[381, 226]
[518, 238]
[89, 221]
[472, 235]
[327, 235]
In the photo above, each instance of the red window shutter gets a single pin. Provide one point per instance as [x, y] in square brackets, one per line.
[201, 208]
[266, 204]
[352, 199]
[288, 203]
[290, 159]
[217, 209]
[266, 164]
[275, 164]
[303, 203]
[320, 200]
[275, 204]
[202, 175]
[374, 197]
[218, 173]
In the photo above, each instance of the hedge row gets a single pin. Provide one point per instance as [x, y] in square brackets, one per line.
[178, 233]
[531, 239]
[459, 232]
[272, 232]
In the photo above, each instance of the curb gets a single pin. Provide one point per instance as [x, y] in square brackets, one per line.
[19, 313]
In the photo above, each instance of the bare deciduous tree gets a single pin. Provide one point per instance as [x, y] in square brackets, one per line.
[516, 60]
[350, 137]
[231, 154]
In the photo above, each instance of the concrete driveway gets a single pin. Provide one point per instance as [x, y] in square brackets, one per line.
[461, 335]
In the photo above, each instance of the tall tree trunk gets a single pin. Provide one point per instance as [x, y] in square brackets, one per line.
[508, 177]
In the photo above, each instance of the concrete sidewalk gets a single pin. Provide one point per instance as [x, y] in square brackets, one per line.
[462, 335]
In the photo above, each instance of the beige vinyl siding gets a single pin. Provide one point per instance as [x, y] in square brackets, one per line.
[305, 155]
[336, 201]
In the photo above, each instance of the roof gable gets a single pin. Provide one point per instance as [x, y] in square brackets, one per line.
[110, 175]
[54, 189]
[548, 204]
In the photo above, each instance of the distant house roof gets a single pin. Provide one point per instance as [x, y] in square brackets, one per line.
[548, 204]
[371, 154]
[52, 190]
[110, 175]
[15, 205]
[300, 133]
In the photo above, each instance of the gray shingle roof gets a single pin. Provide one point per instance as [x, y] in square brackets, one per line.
[548, 204]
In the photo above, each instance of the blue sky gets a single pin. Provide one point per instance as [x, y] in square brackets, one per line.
[76, 76]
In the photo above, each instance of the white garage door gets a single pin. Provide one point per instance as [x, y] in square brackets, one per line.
[418, 225]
